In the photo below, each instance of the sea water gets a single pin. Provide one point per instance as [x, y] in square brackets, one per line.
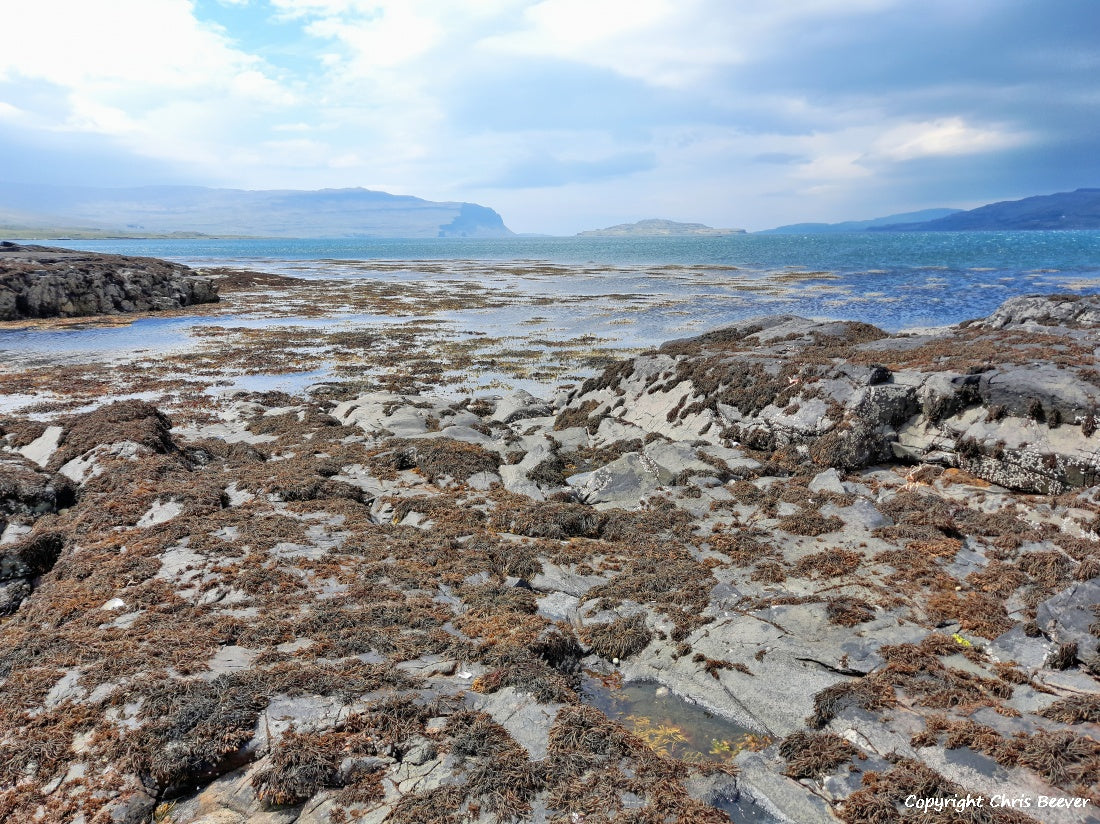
[630, 292]
[892, 279]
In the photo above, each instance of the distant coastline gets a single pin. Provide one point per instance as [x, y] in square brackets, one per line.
[48, 233]
[656, 227]
[1079, 209]
[56, 212]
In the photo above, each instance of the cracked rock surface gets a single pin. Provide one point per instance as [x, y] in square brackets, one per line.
[877, 553]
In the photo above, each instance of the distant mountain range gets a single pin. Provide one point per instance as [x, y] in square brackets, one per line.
[655, 227]
[859, 225]
[195, 210]
[1079, 209]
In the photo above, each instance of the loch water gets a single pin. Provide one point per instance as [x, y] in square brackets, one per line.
[895, 280]
[625, 294]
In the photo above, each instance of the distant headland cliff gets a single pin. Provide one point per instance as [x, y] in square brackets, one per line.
[25, 210]
[658, 228]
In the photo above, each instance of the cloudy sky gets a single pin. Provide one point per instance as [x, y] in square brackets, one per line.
[564, 114]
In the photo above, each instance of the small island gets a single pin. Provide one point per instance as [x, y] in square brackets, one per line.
[656, 227]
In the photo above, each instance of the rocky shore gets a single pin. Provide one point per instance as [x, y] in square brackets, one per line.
[878, 553]
[43, 282]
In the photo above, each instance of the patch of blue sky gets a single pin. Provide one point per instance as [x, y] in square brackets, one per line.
[255, 27]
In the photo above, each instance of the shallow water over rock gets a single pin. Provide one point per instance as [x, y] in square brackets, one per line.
[677, 728]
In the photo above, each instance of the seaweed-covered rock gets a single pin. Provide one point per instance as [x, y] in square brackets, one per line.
[42, 282]
[26, 491]
[1013, 399]
[130, 421]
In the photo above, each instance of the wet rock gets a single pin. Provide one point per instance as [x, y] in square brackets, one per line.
[428, 665]
[783, 798]
[624, 482]
[527, 720]
[1069, 617]
[27, 491]
[134, 807]
[515, 480]
[229, 799]
[22, 562]
[558, 606]
[789, 383]
[827, 481]
[1015, 645]
[555, 579]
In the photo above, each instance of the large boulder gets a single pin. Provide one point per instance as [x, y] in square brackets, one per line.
[41, 282]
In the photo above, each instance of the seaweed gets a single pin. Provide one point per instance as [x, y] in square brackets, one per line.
[300, 765]
[809, 522]
[813, 754]
[192, 728]
[848, 612]
[1074, 709]
[619, 639]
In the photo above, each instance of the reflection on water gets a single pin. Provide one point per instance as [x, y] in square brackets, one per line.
[670, 725]
[293, 383]
[678, 729]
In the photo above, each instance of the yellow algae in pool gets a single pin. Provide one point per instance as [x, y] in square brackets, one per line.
[670, 726]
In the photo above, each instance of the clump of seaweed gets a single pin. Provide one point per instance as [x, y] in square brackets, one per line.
[577, 416]
[1074, 709]
[976, 612]
[300, 765]
[810, 522]
[131, 420]
[867, 693]
[881, 799]
[619, 639]
[192, 727]
[829, 563]
[813, 754]
[435, 458]
[1061, 757]
[847, 612]
[551, 519]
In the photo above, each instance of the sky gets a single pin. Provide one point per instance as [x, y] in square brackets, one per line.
[564, 115]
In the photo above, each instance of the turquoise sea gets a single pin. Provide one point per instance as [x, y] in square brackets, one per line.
[614, 294]
[895, 280]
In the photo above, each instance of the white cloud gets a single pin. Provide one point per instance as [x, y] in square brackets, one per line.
[144, 72]
[944, 137]
[393, 36]
[117, 46]
[661, 41]
[672, 43]
[414, 96]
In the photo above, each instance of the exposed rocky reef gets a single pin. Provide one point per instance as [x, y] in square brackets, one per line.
[879, 553]
[1012, 399]
[43, 282]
